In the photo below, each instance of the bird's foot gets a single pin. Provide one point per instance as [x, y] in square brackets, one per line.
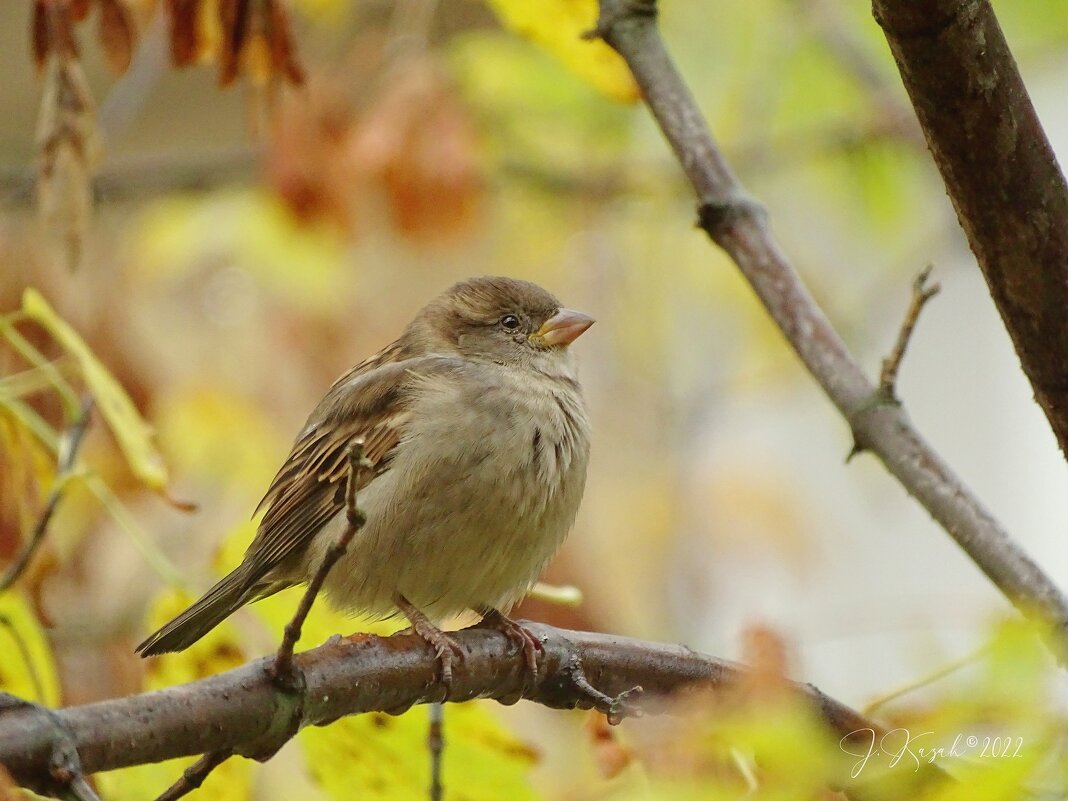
[445, 647]
[523, 639]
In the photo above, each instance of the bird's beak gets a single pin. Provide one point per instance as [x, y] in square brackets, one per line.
[562, 328]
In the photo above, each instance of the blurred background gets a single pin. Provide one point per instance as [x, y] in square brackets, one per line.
[247, 244]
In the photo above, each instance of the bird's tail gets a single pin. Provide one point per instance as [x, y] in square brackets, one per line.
[218, 603]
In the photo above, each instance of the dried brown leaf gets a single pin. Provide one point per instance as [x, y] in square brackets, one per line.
[256, 59]
[768, 657]
[233, 18]
[307, 162]
[39, 39]
[417, 142]
[51, 31]
[117, 34]
[77, 9]
[257, 42]
[612, 755]
[66, 142]
[283, 51]
[185, 31]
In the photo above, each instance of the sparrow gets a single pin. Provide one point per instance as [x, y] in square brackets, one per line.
[476, 441]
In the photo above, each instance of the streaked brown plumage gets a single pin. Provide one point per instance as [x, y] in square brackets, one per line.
[477, 433]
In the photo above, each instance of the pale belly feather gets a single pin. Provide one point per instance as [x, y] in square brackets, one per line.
[455, 526]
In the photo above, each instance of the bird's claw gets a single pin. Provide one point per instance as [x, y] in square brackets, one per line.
[524, 640]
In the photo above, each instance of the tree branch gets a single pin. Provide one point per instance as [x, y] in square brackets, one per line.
[1000, 172]
[238, 710]
[738, 224]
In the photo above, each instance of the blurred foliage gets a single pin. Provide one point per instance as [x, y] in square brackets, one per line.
[133, 434]
[33, 443]
[27, 668]
[559, 26]
[992, 733]
[430, 142]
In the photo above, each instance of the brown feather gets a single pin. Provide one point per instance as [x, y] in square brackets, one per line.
[370, 403]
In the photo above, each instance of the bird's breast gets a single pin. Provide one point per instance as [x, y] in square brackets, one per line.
[484, 486]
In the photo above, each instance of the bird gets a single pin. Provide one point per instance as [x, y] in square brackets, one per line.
[476, 441]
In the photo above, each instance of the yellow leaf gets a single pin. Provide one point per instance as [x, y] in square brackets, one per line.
[558, 25]
[134, 435]
[219, 651]
[324, 12]
[259, 236]
[378, 757]
[27, 467]
[562, 594]
[256, 60]
[27, 669]
[231, 781]
[209, 31]
[219, 436]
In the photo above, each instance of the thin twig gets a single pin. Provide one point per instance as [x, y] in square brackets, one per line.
[738, 224]
[921, 293]
[435, 741]
[282, 669]
[194, 776]
[614, 707]
[68, 453]
[80, 790]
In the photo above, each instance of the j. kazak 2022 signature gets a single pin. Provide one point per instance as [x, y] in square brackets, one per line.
[902, 747]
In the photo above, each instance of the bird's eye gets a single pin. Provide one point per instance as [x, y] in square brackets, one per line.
[510, 321]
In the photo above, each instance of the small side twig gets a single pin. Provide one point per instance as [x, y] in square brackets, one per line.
[194, 776]
[282, 669]
[68, 454]
[435, 741]
[614, 707]
[921, 293]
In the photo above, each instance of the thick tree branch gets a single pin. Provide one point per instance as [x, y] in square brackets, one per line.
[1000, 172]
[738, 224]
[239, 710]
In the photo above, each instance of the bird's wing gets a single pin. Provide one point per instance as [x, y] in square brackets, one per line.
[371, 402]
